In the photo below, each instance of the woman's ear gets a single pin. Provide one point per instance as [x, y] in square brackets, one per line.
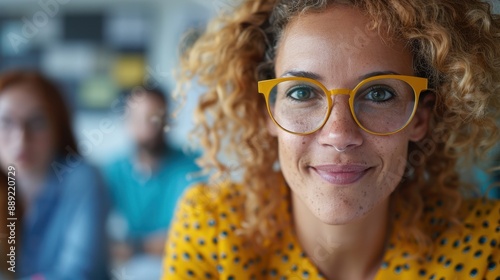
[420, 122]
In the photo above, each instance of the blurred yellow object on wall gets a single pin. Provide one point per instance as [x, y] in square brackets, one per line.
[129, 71]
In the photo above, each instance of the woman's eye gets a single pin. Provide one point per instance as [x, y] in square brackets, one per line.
[379, 94]
[300, 93]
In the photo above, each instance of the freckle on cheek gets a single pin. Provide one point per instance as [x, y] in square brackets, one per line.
[304, 142]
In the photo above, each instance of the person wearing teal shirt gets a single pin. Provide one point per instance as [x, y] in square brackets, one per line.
[144, 187]
[146, 199]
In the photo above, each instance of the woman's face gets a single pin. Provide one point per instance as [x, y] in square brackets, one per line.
[340, 187]
[26, 137]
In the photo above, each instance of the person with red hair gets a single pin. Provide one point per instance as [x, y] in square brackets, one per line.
[60, 200]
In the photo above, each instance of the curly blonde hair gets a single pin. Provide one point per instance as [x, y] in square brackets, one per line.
[456, 45]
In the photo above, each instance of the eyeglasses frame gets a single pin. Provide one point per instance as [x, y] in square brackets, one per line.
[418, 84]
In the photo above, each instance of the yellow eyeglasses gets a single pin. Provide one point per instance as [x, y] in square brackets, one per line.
[380, 105]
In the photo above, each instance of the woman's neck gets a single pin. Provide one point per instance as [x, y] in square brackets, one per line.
[352, 251]
[145, 161]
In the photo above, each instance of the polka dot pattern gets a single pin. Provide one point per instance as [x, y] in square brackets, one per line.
[203, 243]
[458, 254]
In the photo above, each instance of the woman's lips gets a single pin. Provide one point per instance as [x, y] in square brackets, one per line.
[341, 174]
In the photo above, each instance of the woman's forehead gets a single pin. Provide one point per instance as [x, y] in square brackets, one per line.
[338, 42]
[21, 97]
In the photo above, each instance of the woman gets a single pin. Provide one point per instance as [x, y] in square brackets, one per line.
[371, 106]
[61, 197]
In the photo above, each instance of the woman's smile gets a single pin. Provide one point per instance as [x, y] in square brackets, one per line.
[341, 174]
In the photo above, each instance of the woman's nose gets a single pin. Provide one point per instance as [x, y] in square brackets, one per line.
[340, 130]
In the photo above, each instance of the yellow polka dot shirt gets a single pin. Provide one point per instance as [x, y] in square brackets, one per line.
[203, 244]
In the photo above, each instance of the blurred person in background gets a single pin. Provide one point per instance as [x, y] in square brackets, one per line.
[145, 185]
[62, 197]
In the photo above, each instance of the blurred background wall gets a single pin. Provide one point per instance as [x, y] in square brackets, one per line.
[97, 50]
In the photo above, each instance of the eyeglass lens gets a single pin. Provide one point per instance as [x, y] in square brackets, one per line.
[380, 106]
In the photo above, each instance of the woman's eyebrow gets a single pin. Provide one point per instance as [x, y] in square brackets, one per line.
[376, 73]
[315, 76]
[303, 74]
